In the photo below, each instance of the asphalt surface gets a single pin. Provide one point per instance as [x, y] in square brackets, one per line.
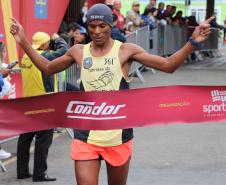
[180, 154]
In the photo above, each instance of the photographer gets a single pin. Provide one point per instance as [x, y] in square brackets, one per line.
[35, 83]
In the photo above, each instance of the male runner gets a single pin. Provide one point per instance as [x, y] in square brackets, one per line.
[105, 64]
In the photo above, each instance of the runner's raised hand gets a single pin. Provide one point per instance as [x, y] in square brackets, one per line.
[202, 31]
[17, 30]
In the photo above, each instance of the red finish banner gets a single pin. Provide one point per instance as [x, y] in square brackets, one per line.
[113, 110]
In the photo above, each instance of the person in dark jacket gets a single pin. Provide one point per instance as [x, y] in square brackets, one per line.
[36, 83]
[116, 34]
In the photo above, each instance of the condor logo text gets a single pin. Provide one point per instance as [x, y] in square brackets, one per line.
[89, 110]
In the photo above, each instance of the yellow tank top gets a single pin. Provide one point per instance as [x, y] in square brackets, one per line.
[32, 82]
[103, 74]
[32, 79]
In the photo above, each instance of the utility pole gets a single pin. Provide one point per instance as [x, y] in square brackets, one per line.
[210, 8]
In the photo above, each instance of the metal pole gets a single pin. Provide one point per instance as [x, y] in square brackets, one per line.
[210, 8]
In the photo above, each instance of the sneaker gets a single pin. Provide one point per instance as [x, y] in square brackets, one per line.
[4, 154]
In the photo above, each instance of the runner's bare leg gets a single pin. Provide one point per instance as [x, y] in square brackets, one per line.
[87, 172]
[118, 174]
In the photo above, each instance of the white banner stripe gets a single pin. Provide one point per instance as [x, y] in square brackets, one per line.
[95, 118]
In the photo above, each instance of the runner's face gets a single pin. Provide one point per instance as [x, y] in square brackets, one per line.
[99, 32]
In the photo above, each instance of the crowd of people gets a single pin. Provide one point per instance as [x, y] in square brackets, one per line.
[154, 15]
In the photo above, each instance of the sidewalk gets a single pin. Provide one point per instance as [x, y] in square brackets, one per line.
[223, 50]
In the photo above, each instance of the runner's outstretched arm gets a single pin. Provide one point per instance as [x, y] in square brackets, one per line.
[171, 63]
[40, 62]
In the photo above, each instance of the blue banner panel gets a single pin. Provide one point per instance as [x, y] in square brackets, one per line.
[41, 9]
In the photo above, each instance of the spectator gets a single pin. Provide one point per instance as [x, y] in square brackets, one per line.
[160, 14]
[4, 84]
[133, 19]
[192, 23]
[80, 35]
[166, 14]
[3, 73]
[116, 34]
[2, 52]
[69, 35]
[149, 18]
[173, 11]
[72, 27]
[151, 5]
[36, 83]
[116, 10]
[178, 19]
[6, 87]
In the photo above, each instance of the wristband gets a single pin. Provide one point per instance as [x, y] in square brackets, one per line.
[193, 42]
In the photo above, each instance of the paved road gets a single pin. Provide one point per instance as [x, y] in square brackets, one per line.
[188, 154]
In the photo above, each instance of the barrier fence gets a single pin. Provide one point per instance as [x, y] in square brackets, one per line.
[170, 38]
[70, 76]
[141, 38]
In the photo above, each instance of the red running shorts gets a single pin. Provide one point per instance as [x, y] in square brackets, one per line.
[114, 155]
